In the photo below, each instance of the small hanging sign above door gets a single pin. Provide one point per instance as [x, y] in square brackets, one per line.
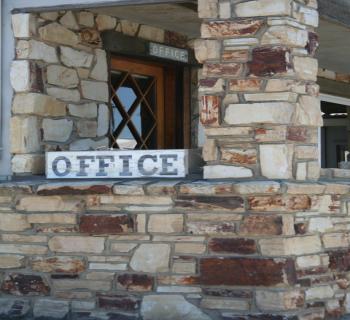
[167, 52]
[117, 164]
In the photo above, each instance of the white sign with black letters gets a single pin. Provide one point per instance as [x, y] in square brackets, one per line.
[167, 52]
[117, 164]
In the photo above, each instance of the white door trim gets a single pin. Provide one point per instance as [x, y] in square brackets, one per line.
[334, 99]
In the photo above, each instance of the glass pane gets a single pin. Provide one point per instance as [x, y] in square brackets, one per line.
[134, 89]
[148, 127]
[116, 79]
[136, 120]
[142, 81]
[126, 96]
[117, 117]
[126, 140]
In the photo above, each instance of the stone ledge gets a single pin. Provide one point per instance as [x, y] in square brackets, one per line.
[191, 185]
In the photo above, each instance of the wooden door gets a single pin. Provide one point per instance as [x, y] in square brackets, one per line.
[137, 99]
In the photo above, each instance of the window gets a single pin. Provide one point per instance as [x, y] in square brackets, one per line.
[150, 104]
[334, 133]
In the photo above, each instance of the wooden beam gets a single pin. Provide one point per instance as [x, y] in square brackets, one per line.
[335, 10]
[335, 88]
[95, 4]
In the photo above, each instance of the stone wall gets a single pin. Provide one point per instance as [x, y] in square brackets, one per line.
[60, 77]
[172, 250]
[260, 104]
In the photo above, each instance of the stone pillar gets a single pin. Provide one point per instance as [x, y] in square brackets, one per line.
[260, 105]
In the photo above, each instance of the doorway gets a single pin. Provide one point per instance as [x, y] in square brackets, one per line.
[148, 104]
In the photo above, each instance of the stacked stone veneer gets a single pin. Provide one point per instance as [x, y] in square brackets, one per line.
[260, 105]
[172, 250]
[60, 78]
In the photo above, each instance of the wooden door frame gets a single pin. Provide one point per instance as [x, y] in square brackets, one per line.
[148, 69]
[127, 47]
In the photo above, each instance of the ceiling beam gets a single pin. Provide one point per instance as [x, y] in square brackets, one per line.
[86, 4]
[335, 10]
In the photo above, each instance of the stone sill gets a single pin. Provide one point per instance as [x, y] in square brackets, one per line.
[193, 184]
[335, 173]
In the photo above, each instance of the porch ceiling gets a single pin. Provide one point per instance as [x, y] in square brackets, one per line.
[181, 18]
[334, 46]
[334, 37]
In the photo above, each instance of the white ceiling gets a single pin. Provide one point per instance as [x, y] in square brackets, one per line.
[333, 54]
[172, 17]
[334, 51]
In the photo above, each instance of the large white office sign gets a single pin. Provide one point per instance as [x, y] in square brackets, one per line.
[117, 164]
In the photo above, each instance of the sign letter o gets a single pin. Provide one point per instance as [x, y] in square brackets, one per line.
[68, 166]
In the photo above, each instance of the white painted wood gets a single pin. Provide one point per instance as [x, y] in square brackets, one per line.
[117, 164]
[332, 122]
[167, 52]
[334, 99]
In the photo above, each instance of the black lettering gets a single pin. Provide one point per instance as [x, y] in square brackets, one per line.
[126, 166]
[83, 165]
[102, 165]
[166, 165]
[68, 166]
[141, 168]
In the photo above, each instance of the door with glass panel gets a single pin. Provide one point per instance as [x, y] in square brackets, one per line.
[137, 100]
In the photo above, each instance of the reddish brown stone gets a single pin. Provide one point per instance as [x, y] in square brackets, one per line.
[24, 284]
[227, 293]
[267, 203]
[175, 39]
[106, 224]
[238, 157]
[299, 203]
[210, 110]
[119, 302]
[342, 77]
[209, 202]
[208, 82]
[239, 246]
[58, 264]
[230, 29]
[90, 36]
[311, 271]
[247, 272]
[178, 280]
[37, 83]
[339, 260]
[336, 312]
[245, 85]
[235, 55]
[300, 228]
[268, 61]
[223, 69]
[261, 225]
[135, 282]
[91, 315]
[298, 134]
[312, 43]
[72, 190]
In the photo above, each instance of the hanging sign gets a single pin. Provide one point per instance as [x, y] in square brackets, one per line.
[167, 52]
[117, 164]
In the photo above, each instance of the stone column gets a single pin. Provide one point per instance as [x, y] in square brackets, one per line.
[260, 105]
